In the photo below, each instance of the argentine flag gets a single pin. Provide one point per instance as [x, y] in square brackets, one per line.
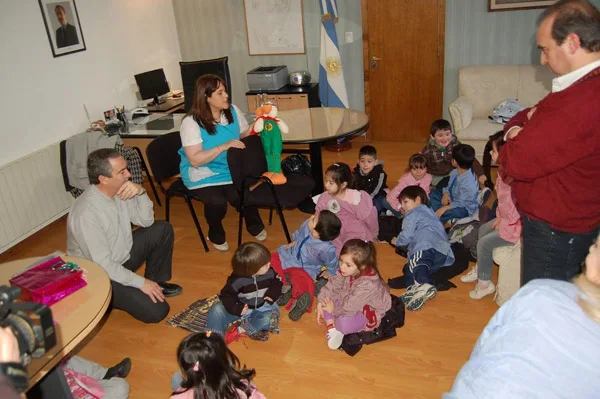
[332, 87]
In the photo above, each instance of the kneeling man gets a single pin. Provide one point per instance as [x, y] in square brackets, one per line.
[99, 229]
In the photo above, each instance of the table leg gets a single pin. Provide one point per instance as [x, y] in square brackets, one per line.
[316, 161]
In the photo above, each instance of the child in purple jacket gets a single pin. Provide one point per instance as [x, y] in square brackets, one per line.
[356, 298]
[354, 208]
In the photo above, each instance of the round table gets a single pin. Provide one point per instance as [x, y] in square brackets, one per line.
[74, 316]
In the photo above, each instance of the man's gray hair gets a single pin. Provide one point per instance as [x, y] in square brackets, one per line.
[98, 164]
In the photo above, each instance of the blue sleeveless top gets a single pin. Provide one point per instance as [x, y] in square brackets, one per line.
[216, 172]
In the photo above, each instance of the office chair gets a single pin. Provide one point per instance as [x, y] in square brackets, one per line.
[192, 70]
[164, 161]
[247, 166]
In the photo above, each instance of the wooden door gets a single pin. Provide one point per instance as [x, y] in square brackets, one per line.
[403, 43]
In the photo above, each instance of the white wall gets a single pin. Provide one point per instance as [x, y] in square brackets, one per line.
[42, 97]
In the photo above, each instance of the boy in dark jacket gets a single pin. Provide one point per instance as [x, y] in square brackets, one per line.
[249, 294]
[370, 176]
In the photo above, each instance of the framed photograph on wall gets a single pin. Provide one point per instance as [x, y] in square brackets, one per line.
[62, 26]
[509, 5]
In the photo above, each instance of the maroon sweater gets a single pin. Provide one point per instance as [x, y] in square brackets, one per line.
[555, 160]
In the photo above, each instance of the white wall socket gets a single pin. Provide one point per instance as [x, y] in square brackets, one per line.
[349, 36]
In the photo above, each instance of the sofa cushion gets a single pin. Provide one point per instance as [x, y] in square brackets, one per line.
[479, 129]
[535, 82]
[486, 86]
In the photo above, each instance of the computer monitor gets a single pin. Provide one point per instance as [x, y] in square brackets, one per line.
[152, 84]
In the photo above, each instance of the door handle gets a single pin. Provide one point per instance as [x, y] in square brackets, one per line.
[373, 62]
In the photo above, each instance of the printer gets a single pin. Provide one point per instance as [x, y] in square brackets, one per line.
[267, 77]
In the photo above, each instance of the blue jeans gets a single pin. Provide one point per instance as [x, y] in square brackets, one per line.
[435, 201]
[421, 265]
[387, 207]
[550, 253]
[380, 203]
[258, 319]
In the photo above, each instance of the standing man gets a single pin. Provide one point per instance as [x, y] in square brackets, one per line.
[553, 149]
[99, 229]
[66, 35]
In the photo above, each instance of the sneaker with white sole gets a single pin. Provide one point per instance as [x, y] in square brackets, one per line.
[410, 292]
[422, 294]
[334, 338]
[480, 291]
[471, 276]
[262, 236]
[221, 247]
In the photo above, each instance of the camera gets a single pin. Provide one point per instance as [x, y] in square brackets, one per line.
[32, 325]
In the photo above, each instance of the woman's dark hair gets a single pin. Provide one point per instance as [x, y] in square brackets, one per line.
[413, 192]
[206, 85]
[497, 139]
[328, 226]
[363, 255]
[218, 373]
[464, 155]
[417, 161]
[439, 124]
[575, 16]
[341, 173]
[248, 258]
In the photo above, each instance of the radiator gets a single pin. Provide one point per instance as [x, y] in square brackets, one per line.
[32, 195]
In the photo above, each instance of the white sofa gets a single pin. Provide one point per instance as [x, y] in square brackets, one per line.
[509, 274]
[482, 88]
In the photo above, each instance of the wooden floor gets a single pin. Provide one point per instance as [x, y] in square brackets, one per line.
[421, 362]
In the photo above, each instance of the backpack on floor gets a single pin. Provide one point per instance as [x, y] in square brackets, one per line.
[393, 318]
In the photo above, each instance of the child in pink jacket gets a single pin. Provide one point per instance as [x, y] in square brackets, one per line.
[416, 175]
[356, 298]
[504, 230]
[354, 208]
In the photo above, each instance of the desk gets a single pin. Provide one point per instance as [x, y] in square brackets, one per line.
[169, 106]
[312, 126]
[74, 316]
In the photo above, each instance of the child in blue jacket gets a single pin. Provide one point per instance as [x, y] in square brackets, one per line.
[428, 246]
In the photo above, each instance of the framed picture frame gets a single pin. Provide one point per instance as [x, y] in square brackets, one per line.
[62, 26]
[274, 27]
[511, 5]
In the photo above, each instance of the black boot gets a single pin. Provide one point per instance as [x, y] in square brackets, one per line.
[120, 370]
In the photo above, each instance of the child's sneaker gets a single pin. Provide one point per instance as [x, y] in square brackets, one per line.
[483, 196]
[234, 334]
[410, 292]
[300, 306]
[285, 297]
[471, 276]
[422, 294]
[480, 290]
[334, 338]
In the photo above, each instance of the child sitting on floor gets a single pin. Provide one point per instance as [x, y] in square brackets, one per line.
[210, 370]
[416, 175]
[428, 247]
[371, 177]
[439, 149]
[354, 208]
[460, 198]
[248, 296]
[356, 298]
[310, 251]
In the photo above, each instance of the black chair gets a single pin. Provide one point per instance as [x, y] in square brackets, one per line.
[192, 70]
[147, 172]
[247, 166]
[164, 161]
